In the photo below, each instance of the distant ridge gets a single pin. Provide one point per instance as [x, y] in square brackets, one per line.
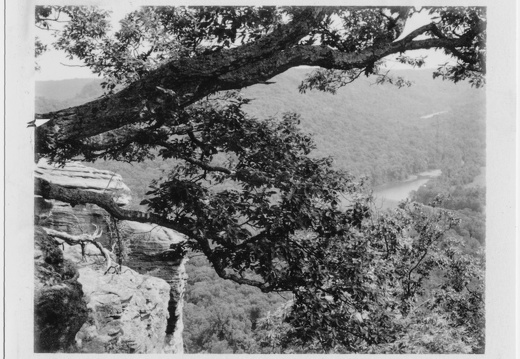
[56, 95]
[65, 89]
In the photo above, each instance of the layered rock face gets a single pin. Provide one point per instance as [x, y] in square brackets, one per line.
[158, 251]
[128, 312]
[133, 309]
[76, 175]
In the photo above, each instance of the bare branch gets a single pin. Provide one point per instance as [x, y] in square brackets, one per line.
[81, 239]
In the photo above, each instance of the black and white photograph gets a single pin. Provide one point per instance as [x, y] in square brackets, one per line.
[226, 178]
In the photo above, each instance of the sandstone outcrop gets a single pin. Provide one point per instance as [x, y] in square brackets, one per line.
[150, 252]
[128, 311]
[76, 175]
[159, 252]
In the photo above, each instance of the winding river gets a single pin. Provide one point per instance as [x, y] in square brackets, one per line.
[389, 195]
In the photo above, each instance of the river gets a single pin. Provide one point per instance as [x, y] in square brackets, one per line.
[389, 195]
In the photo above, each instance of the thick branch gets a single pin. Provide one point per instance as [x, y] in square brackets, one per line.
[77, 196]
[191, 79]
[133, 134]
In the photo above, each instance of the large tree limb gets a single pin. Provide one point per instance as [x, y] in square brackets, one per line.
[75, 196]
[176, 84]
[190, 79]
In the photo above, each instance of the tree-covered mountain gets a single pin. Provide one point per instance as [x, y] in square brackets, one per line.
[68, 90]
[382, 131]
[221, 316]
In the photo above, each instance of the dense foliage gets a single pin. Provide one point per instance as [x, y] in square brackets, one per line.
[221, 316]
[468, 202]
[150, 36]
[426, 296]
[174, 57]
[383, 133]
[247, 191]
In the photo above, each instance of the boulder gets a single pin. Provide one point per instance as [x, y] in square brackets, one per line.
[159, 251]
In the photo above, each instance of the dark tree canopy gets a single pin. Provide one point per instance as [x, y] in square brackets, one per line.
[170, 58]
[245, 191]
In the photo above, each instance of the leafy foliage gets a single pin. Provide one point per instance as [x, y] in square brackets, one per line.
[456, 22]
[220, 315]
[251, 197]
[150, 36]
[426, 296]
[389, 301]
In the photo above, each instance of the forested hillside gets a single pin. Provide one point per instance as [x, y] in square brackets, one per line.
[380, 131]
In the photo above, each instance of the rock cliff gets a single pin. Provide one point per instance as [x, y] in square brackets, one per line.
[128, 312]
[133, 308]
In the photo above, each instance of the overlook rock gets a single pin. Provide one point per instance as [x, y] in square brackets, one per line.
[133, 308]
[76, 175]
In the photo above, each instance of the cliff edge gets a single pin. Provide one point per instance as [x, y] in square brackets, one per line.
[102, 285]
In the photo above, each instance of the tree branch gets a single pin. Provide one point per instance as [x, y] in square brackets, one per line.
[76, 196]
[208, 167]
[81, 240]
[191, 79]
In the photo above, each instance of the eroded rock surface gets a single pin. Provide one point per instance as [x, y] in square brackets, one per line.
[159, 251]
[128, 311]
[76, 175]
[150, 252]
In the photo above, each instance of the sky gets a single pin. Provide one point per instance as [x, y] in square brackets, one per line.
[54, 65]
